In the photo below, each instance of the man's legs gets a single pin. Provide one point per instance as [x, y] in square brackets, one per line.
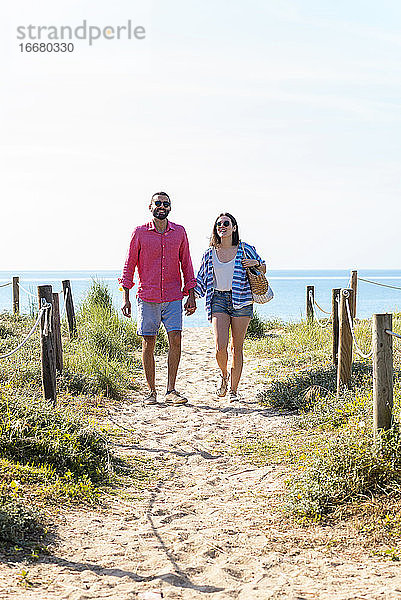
[148, 359]
[173, 360]
[171, 316]
[149, 316]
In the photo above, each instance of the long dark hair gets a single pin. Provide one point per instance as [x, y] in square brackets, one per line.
[215, 239]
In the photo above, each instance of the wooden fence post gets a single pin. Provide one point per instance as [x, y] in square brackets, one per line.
[335, 299]
[344, 340]
[310, 297]
[354, 286]
[57, 333]
[67, 291]
[47, 353]
[382, 344]
[16, 295]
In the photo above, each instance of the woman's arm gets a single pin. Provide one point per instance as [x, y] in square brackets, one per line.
[200, 289]
[253, 259]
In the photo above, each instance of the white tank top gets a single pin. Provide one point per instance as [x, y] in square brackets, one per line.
[223, 273]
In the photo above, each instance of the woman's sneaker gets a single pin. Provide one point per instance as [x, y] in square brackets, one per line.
[222, 389]
[175, 397]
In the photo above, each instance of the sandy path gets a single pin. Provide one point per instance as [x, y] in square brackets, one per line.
[206, 527]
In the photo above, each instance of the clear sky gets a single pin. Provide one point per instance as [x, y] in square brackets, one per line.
[285, 113]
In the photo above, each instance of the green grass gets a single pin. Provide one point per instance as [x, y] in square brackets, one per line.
[334, 461]
[101, 360]
[257, 327]
[349, 467]
[289, 447]
[57, 454]
[47, 454]
[35, 432]
[17, 522]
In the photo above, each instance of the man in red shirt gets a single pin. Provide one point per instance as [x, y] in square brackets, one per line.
[160, 252]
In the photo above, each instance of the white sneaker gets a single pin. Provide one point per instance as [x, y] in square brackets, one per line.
[151, 398]
[175, 397]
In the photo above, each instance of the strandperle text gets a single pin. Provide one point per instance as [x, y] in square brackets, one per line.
[89, 33]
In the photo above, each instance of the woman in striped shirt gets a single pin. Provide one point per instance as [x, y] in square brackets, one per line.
[223, 279]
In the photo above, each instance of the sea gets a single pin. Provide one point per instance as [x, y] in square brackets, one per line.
[289, 286]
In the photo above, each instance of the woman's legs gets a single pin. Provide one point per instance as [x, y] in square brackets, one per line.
[221, 326]
[239, 325]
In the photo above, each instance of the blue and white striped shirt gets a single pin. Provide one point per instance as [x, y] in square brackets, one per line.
[241, 290]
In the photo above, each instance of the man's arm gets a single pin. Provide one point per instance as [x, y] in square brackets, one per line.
[127, 280]
[190, 304]
[189, 276]
[186, 265]
[126, 307]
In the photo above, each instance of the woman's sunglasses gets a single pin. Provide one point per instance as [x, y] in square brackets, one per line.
[223, 223]
[165, 203]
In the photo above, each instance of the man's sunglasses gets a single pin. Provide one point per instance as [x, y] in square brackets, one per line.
[165, 203]
[222, 223]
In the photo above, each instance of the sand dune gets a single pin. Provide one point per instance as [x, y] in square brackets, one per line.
[207, 526]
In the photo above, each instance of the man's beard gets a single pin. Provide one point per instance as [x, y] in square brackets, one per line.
[160, 213]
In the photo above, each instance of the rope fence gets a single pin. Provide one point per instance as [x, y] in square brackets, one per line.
[17, 287]
[394, 287]
[40, 313]
[389, 332]
[67, 291]
[26, 291]
[351, 326]
[321, 309]
[48, 321]
[342, 318]
[314, 303]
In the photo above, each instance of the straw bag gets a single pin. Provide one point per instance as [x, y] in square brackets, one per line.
[260, 288]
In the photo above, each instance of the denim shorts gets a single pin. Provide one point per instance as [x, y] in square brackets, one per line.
[151, 314]
[222, 302]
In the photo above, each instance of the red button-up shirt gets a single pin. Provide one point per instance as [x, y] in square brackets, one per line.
[158, 258]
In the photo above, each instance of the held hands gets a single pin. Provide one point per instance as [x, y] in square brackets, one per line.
[190, 306]
[250, 262]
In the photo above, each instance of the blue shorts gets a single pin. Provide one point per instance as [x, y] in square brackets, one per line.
[151, 314]
[222, 302]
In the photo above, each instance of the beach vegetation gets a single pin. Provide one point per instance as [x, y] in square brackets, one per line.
[47, 454]
[102, 358]
[332, 462]
[51, 454]
[256, 327]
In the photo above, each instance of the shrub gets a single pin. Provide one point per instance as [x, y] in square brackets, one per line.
[17, 522]
[33, 431]
[292, 391]
[302, 342]
[100, 360]
[311, 389]
[256, 327]
[92, 373]
[5, 330]
[329, 411]
[350, 466]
